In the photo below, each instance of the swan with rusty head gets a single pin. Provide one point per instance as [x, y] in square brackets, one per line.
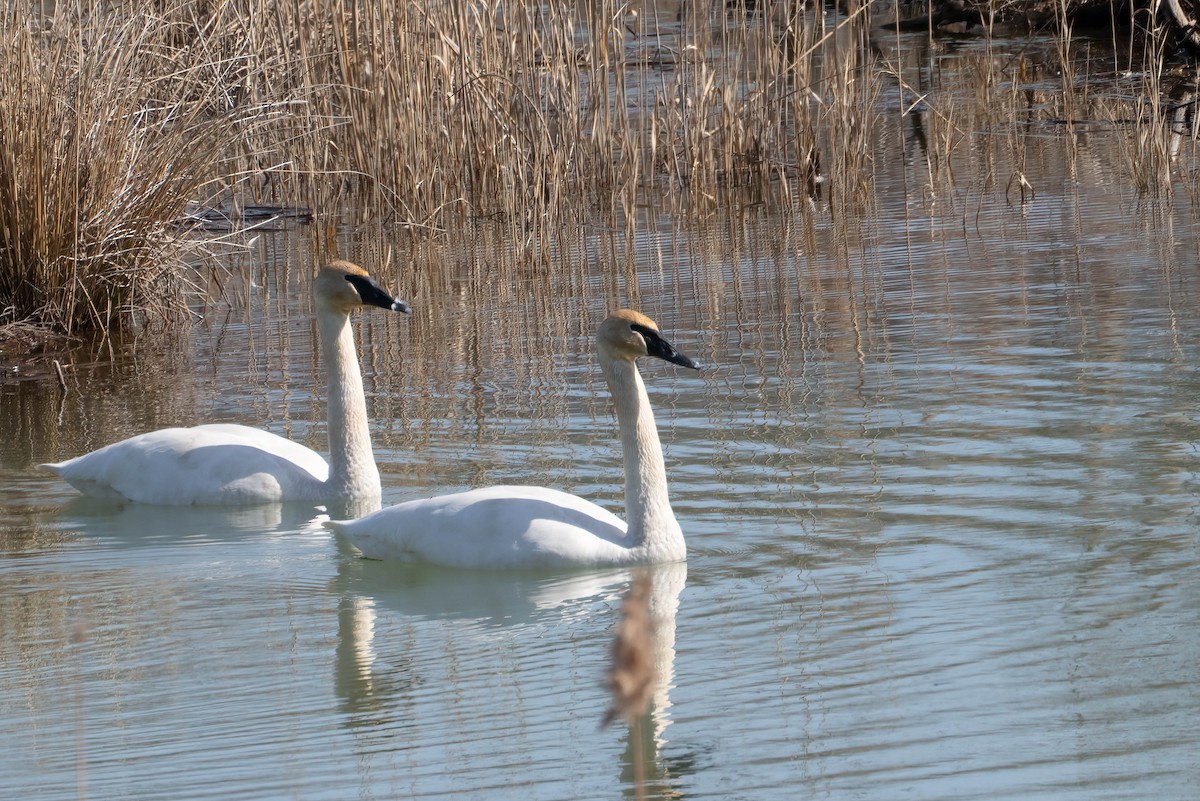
[228, 464]
[509, 527]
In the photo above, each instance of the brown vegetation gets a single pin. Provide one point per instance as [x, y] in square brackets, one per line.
[102, 144]
[122, 114]
[118, 117]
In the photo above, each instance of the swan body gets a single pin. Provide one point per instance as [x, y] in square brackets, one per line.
[534, 527]
[228, 464]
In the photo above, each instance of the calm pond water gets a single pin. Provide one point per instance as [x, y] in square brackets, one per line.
[939, 483]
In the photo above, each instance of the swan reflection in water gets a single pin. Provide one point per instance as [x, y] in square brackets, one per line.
[398, 692]
[123, 524]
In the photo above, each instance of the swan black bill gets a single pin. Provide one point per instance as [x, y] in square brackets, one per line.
[373, 294]
[658, 346]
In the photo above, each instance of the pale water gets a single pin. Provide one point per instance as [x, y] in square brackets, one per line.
[938, 480]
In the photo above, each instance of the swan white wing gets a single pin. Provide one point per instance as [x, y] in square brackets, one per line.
[211, 464]
[496, 527]
[305, 458]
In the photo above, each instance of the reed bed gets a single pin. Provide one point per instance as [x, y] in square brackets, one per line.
[542, 117]
[433, 115]
[547, 112]
[523, 110]
[103, 142]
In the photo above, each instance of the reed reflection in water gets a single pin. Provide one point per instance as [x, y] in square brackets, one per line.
[939, 490]
[941, 522]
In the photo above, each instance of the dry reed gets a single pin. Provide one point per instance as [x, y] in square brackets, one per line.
[539, 116]
[121, 114]
[99, 156]
[438, 113]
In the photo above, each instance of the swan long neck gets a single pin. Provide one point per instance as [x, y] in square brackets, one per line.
[352, 469]
[652, 524]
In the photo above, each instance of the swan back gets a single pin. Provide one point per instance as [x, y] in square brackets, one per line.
[494, 527]
[203, 465]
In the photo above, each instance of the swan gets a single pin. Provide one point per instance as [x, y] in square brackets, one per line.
[536, 527]
[225, 464]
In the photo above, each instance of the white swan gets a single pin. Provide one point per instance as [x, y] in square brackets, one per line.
[239, 465]
[514, 527]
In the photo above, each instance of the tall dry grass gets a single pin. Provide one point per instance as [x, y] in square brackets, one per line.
[1157, 119]
[434, 115]
[104, 140]
[492, 109]
[542, 116]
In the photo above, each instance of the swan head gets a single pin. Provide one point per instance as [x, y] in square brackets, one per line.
[344, 287]
[629, 335]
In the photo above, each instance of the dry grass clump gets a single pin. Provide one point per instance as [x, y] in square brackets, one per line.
[117, 115]
[1157, 118]
[103, 141]
[547, 114]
